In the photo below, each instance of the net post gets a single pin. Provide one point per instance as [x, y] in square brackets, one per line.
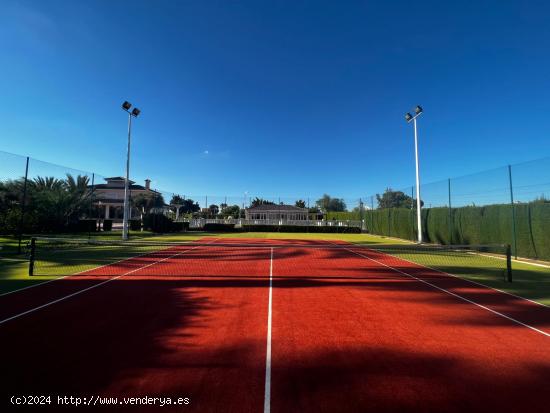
[508, 263]
[32, 256]
[91, 206]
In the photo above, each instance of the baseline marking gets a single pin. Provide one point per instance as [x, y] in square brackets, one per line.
[267, 397]
[453, 294]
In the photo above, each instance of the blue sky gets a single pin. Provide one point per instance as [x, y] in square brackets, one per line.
[276, 98]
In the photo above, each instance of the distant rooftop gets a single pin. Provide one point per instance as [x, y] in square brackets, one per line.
[269, 207]
[118, 178]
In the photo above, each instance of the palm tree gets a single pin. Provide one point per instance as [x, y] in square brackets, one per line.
[79, 196]
[58, 202]
[48, 183]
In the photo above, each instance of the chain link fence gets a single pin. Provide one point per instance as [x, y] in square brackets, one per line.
[508, 205]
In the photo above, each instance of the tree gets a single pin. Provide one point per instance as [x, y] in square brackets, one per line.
[190, 206]
[214, 209]
[176, 200]
[395, 199]
[79, 196]
[56, 203]
[300, 203]
[329, 204]
[146, 203]
[231, 211]
[11, 193]
[260, 201]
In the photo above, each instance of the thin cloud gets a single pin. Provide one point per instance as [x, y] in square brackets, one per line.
[207, 153]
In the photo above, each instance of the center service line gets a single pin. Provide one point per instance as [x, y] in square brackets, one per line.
[267, 398]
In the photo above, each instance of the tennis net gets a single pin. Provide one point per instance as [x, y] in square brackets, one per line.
[68, 256]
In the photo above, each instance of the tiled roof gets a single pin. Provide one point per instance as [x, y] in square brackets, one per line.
[107, 186]
[266, 207]
[117, 178]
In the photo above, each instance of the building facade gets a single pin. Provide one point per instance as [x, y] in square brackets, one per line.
[109, 197]
[276, 212]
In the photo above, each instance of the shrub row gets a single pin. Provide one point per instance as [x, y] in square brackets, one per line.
[491, 224]
[295, 228]
[135, 225]
[160, 223]
[220, 227]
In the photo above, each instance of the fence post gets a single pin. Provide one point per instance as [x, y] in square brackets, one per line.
[372, 214]
[91, 204]
[23, 206]
[508, 263]
[307, 214]
[514, 240]
[450, 215]
[361, 213]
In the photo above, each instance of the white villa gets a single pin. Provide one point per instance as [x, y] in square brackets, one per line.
[276, 212]
[110, 196]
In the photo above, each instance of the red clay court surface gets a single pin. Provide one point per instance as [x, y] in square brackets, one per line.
[346, 330]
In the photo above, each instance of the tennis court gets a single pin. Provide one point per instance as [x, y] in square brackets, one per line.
[250, 325]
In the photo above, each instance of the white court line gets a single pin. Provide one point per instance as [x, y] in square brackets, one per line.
[76, 273]
[267, 396]
[453, 294]
[32, 310]
[534, 264]
[465, 279]
[32, 286]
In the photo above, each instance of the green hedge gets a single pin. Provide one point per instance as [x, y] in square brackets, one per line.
[84, 225]
[491, 224]
[539, 229]
[296, 228]
[219, 227]
[107, 224]
[180, 226]
[161, 224]
[391, 222]
[134, 224]
[158, 223]
[345, 216]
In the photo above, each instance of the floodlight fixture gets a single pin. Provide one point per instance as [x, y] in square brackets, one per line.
[418, 110]
[408, 117]
[136, 112]
[126, 105]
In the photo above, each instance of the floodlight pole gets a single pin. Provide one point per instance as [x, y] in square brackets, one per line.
[418, 201]
[127, 183]
[408, 117]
